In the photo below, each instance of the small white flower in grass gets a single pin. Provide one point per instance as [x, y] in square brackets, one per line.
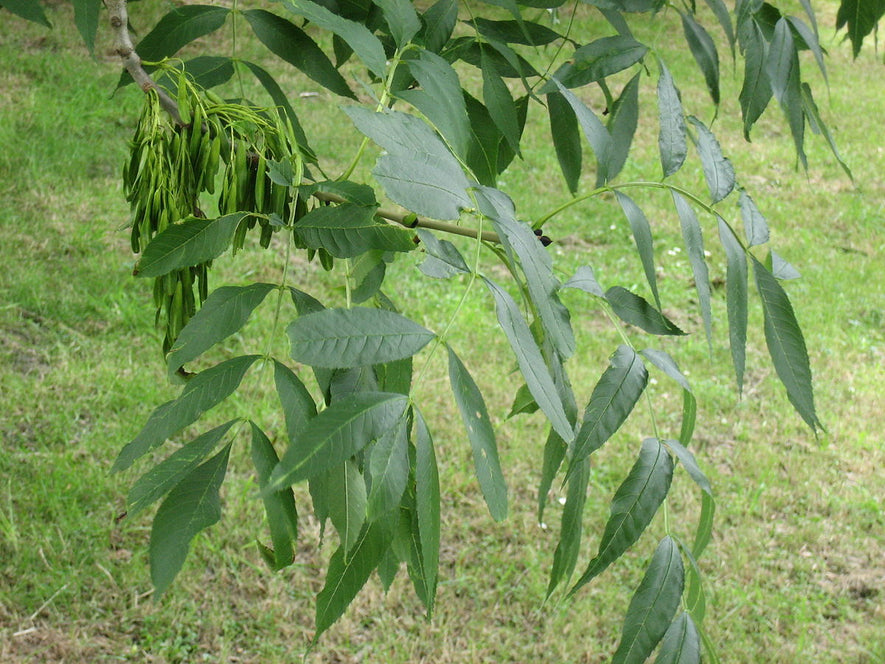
[561, 500]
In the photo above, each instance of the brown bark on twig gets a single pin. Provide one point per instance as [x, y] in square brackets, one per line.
[119, 20]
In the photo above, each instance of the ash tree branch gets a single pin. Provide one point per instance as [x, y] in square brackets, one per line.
[119, 20]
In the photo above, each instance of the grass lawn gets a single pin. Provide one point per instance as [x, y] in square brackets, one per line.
[796, 568]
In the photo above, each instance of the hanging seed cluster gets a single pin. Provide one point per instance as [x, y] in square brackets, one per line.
[172, 165]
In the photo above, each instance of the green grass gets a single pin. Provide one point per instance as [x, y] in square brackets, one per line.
[795, 570]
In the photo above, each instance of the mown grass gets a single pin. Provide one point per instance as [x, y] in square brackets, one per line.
[796, 569]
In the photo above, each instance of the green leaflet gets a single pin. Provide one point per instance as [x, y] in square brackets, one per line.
[537, 266]
[205, 390]
[566, 138]
[860, 18]
[681, 643]
[224, 312]
[439, 22]
[694, 244]
[755, 226]
[599, 59]
[443, 259]
[612, 400]
[782, 66]
[86, 16]
[358, 37]
[644, 243]
[635, 310]
[348, 230]
[209, 71]
[30, 10]
[346, 501]
[531, 362]
[387, 462]
[336, 434]
[756, 89]
[597, 135]
[722, 15]
[569, 546]
[523, 402]
[348, 572]
[624, 117]
[808, 36]
[500, 103]
[343, 338]
[652, 606]
[786, 344]
[401, 18]
[671, 138]
[735, 299]
[584, 279]
[527, 33]
[705, 525]
[427, 499]
[291, 44]
[190, 507]
[812, 114]
[689, 407]
[178, 28]
[282, 516]
[718, 171]
[633, 507]
[298, 405]
[191, 242]
[165, 475]
[439, 99]
[481, 435]
[704, 51]
[554, 453]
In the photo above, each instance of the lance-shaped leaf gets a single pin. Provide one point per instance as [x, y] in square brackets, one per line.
[30, 10]
[439, 23]
[722, 15]
[812, 114]
[668, 365]
[537, 266]
[523, 32]
[342, 338]
[348, 230]
[481, 435]
[780, 268]
[671, 138]
[191, 242]
[686, 458]
[523, 402]
[704, 51]
[443, 259]
[643, 239]
[809, 36]
[612, 400]
[599, 59]
[554, 454]
[388, 470]
[635, 503]
[348, 572]
[298, 406]
[704, 533]
[782, 66]
[336, 434]
[566, 139]
[209, 71]
[190, 507]
[735, 299]
[169, 472]
[652, 606]
[694, 244]
[786, 344]
[205, 390]
[566, 555]
[346, 500]
[585, 280]
[440, 99]
[636, 310]
[756, 88]
[291, 44]
[623, 119]
[755, 226]
[178, 28]
[282, 516]
[86, 14]
[366, 45]
[224, 312]
[530, 361]
[500, 103]
[681, 643]
[401, 18]
[597, 135]
[279, 98]
[718, 171]
[861, 17]
[420, 185]
[427, 507]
